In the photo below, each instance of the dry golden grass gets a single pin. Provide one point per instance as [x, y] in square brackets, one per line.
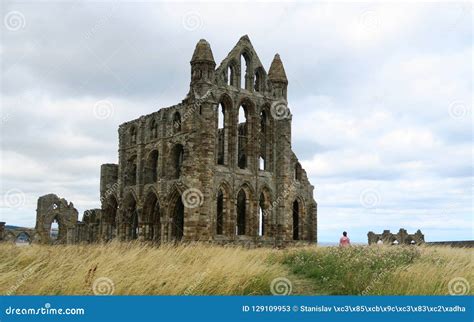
[136, 269]
[432, 273]
[214, 270]
[385, 270]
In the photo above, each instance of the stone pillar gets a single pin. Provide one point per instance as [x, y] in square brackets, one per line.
[2, 230]
[108, 180]
[71, 234]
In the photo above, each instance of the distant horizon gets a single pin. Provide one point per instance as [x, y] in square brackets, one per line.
[319, 242]
[380, 98]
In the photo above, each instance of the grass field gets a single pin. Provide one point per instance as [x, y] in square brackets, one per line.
[119, 268]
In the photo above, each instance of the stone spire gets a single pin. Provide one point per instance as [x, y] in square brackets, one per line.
[277, 71]
[203, 52]
[202, 68]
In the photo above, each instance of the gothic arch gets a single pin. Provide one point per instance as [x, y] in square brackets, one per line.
[223, 147]
[150, 170]
[245, 133]
[23, 237]
[265, 137]
[133, 135]
[223, 209]
[298, 171]
[246, 74]
[131, 171]
[176, 160]
[244, 210]
[176, 211]
[265, 212]
[130, 218]
[259, 80]
[298, 218]
[151, 217]
[231, 73]
[176, 122]
[153, 128]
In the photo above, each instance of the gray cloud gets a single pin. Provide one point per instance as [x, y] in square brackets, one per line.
[372, 89]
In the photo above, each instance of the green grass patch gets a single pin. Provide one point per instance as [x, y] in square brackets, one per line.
[349, 270]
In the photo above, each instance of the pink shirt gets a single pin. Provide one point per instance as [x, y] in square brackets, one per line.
[344, 241]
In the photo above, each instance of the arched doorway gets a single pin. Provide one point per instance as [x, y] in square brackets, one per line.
[23, 238]
[177, 228]
[242, 137]
[177, 160]
[54, 230]
[241, 212]
[151, 218]
[261, 216]
[130, 217]
[220, 213]
[296, 220]
[151, 168]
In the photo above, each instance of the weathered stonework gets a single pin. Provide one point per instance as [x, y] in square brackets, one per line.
[402, 237]
[199, 171]
[51, 209]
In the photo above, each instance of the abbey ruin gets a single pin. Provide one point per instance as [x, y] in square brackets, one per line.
[217, 167]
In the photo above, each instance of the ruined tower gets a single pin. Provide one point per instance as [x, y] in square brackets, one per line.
[216, 167]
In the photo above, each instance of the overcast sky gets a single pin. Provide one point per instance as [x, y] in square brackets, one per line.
[380, 96]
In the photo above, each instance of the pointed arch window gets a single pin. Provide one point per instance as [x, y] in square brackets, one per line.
[242, 135]
[241, 212]
[177, 122]
[220, 213]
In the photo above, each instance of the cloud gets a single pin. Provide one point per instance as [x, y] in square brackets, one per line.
[380, 96]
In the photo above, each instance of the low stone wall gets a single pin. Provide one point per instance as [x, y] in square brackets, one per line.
[457, 243]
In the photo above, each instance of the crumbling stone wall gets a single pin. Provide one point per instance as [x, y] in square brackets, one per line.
[402, 237]
[51, 208]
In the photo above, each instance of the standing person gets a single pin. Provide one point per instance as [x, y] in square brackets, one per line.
[344, 241]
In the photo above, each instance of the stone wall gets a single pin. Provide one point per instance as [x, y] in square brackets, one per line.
[52, 209]
[402, 237]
